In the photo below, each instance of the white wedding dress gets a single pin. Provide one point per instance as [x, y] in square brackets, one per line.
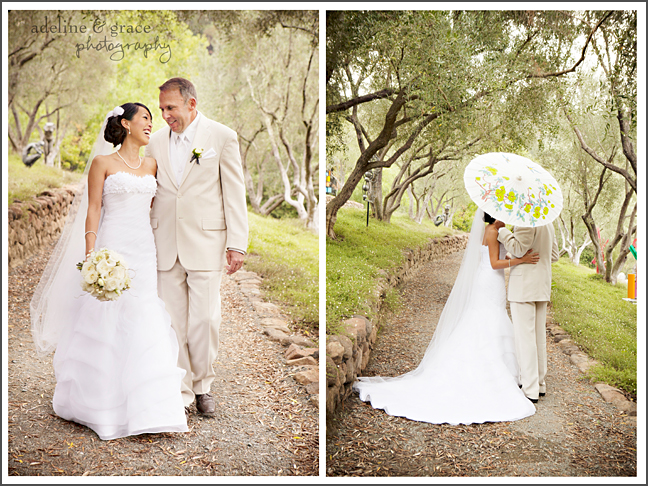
[116, 363]
[472, 376]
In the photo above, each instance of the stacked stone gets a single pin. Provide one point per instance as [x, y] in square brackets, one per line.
[37, 222]
[436, 248]
[347, 353]
[583, 362]
[302, 353]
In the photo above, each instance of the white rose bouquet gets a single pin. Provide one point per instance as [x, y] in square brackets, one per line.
[105, 275]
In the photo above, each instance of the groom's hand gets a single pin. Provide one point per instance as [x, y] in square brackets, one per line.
[234, 261]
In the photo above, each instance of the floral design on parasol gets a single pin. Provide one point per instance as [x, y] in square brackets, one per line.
[513, 189]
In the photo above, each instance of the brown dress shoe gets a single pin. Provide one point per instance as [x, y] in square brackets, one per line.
[205, 404]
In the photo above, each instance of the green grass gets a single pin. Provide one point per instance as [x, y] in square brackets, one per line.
[25, 182]
[355, 258]
[599, 321]
[287, 257]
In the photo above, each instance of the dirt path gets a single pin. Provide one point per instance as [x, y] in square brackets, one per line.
[265, 423]
[573, 433]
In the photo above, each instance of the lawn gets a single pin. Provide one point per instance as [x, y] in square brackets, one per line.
[594, 313]
[287, 257]
[354, 260]
[24, 182]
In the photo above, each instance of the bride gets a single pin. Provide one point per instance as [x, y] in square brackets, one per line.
[115, 361]
[469, 373]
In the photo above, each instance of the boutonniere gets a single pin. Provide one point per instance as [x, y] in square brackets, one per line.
[197, 153]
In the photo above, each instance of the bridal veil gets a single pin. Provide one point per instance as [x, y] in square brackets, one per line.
[53, 303]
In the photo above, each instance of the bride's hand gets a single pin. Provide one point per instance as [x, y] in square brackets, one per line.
[529, 257]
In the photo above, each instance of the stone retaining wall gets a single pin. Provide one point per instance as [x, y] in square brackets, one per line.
[37, 222]
[347, 354]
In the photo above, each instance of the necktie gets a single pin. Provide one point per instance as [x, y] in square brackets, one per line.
[180, 156]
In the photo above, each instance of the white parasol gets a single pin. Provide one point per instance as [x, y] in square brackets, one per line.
[513, 189]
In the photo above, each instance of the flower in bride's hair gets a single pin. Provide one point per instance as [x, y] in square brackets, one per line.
[116, 111]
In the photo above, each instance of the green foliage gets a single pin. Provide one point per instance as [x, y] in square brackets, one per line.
[77, 145]
[284, 211]
[392, 301]
[24, 182]
[587, 257]
[287, 257]
[48, 81]
[463, 218]
[95, 81]
[594, 313]
[356, 259]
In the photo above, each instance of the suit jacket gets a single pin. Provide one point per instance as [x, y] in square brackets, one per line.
[197, 220]
[527, 282]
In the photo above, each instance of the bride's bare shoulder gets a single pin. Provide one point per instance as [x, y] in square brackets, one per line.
[100, 163]
[490, 234]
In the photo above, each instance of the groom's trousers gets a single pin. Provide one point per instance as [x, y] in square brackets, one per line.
[529, 327]
[192, 298]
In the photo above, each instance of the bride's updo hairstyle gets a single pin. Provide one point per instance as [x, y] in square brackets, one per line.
[488, 218]
[115, 132]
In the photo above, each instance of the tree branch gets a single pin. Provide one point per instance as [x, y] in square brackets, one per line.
[582, 58]
[382, 94]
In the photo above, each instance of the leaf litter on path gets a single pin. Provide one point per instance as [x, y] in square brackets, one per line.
[573, 433]
[264, 423]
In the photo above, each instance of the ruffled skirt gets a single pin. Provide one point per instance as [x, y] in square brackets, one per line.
[116, 368]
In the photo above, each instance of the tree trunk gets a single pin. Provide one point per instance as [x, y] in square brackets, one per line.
[362, 164]
[621, 236]
[593, 234]
[377, 196]
[577, 256]
[342, 197]
[410, 207]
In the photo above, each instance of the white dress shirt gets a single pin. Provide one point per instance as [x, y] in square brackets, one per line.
[180, 147]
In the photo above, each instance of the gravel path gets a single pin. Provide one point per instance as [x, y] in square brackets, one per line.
[265, 423]
[573, 433]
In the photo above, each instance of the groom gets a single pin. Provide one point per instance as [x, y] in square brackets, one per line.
[199, 220]
[529, 292]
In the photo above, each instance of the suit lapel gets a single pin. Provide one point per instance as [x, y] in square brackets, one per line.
[202, 135]
[165, 161]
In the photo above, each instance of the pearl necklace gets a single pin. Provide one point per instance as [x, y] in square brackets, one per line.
[134, 168]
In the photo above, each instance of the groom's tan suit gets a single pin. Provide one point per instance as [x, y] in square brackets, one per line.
[529, 292]
[194, 222]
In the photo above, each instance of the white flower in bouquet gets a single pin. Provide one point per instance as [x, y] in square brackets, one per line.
[90, 274]
[103, 267]
[105, 275]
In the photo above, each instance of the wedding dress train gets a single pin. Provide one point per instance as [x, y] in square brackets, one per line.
[116, 363]
[471, 375]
